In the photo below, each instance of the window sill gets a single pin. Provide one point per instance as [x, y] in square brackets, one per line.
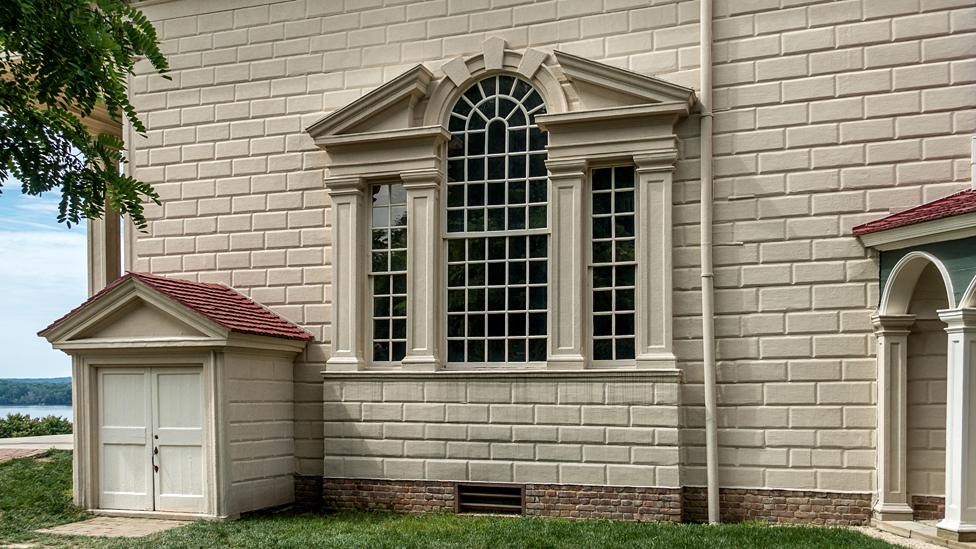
[669, 374]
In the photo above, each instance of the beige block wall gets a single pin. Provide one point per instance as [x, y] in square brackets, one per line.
[827, 114]
[260, 430]
[620, 431]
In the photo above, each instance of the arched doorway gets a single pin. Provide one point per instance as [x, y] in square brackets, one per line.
[926, 405]
[911, 364]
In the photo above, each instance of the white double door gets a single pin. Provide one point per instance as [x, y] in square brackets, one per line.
[151, 439]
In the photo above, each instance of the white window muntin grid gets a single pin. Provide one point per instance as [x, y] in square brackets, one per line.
[395, 290]
[613, 311]
[504, 234]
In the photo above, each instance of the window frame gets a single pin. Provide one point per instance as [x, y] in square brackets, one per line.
[588, 287]
[446, 236]
[370, 295]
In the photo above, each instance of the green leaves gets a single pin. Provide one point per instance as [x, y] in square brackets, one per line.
[60, 61]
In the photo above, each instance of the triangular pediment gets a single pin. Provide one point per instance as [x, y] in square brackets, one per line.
[388, 107]
[601, 86]
[138, 319]
[131, 311]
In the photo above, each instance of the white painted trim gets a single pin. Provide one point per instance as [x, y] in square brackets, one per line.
[938, 230]
[898, 290]
[969, 297]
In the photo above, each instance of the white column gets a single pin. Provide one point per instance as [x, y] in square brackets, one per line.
[892, 332]
[960, 475]
[104, 251]
[348, 274]
[423, 269]
[654, 262]
[567, 265]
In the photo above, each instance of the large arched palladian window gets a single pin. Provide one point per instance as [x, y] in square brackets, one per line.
[497, 225]
[537, 211]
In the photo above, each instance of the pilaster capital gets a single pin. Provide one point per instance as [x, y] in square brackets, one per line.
[959, 320]
[661, 160]
[566, 167]
[421, 179]
[345, 186]
[892, 324]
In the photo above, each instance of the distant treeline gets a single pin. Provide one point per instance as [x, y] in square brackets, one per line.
[35, 392]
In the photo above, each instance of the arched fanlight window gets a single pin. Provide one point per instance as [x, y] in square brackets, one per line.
[497, 225]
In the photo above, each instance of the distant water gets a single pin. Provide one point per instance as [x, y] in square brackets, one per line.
[37, 411]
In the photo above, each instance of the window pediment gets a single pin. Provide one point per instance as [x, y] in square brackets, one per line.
[421, 97]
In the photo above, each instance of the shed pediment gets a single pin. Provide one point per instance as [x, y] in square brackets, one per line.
[138, 319]
[141, 309]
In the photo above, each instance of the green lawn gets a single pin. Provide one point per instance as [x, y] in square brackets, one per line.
[35, 493]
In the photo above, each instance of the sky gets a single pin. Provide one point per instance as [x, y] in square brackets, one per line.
[42, 276]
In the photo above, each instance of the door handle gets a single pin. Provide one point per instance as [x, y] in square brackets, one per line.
[155, 451]
[155, 468]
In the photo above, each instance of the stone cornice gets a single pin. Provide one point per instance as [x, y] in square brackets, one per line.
[423, 132]
[610, 114]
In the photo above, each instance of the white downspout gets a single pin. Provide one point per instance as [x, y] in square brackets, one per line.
[707, 279]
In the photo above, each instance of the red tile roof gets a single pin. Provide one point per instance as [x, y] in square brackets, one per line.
[222, 305]
[957, 204]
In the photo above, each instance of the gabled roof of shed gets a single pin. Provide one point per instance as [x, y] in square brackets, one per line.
[218, 303]
[957, 204]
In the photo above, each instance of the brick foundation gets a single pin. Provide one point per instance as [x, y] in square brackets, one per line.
[928, 507]
[608, 502]
[612, 502]
[308, 490]
[404, 496]
[794, 506]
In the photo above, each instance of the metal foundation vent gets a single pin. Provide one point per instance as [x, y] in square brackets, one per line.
[507, 499]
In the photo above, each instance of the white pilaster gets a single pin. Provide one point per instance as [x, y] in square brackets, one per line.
[653, 322]
[423, 269]
[348, 274]
[567, 269]
[960, 475]
[892, 332]
[104, 250]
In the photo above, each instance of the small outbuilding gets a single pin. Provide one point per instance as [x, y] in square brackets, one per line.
[183, 399]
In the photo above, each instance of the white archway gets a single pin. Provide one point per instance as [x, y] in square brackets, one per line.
[969, 297]
[898, 292]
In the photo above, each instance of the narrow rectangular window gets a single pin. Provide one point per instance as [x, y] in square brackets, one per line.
[613, 263]
[388, 272]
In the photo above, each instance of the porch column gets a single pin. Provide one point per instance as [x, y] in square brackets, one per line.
[567, 270]
[423, 269]
[348, 274]
[892, 332]
[654, 262]
[959, 523]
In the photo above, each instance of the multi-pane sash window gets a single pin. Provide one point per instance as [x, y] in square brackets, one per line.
[388, 272]
[497, 213]
[613, 263]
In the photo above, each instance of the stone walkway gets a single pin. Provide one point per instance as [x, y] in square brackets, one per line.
[7, 454]
[60, 442]
[114, 527]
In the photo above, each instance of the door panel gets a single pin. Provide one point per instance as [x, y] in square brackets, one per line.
[124, 439]
[151, 418]
[177, 407]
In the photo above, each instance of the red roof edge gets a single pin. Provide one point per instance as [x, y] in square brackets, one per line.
[218, 303]
[959, 203]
